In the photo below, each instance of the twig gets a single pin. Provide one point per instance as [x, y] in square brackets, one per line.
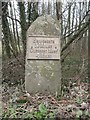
[81, 31]
[62, 60]
[14, 19]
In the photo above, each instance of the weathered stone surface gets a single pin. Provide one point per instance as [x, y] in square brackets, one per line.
[43, 47]
[43, 76]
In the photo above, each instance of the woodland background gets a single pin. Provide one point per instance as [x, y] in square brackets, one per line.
[74, 19]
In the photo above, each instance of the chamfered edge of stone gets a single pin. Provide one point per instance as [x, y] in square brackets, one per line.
[41, 26]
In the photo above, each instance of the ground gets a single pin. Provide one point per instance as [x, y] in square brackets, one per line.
[17, 103]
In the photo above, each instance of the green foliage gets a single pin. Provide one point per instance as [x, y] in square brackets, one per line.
[87, 113]
[79, 113]
[21, 101]
[10, 112]
[42, 113]
[18, 112]
[42, 108]
[79, 100]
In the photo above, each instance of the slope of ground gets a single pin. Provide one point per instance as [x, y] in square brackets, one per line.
[74, 101]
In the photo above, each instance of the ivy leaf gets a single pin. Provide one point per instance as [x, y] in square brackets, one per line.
[42, 108]
[79, 113]
[87, 113]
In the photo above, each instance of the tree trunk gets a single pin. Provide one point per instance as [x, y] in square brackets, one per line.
[49, 7]
[89, 48]
[58, 9]
[23, 24]
[14, 33]
[18, 40]
[5, 29]
[29, 13]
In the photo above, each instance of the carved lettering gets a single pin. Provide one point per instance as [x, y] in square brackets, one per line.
[39, 47]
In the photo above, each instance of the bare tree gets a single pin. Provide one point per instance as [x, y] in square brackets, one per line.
[5, 28]
[23, 24]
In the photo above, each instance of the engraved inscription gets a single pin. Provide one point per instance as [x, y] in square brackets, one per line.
[39, 47]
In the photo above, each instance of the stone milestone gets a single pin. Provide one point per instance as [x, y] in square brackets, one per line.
[43, 68]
